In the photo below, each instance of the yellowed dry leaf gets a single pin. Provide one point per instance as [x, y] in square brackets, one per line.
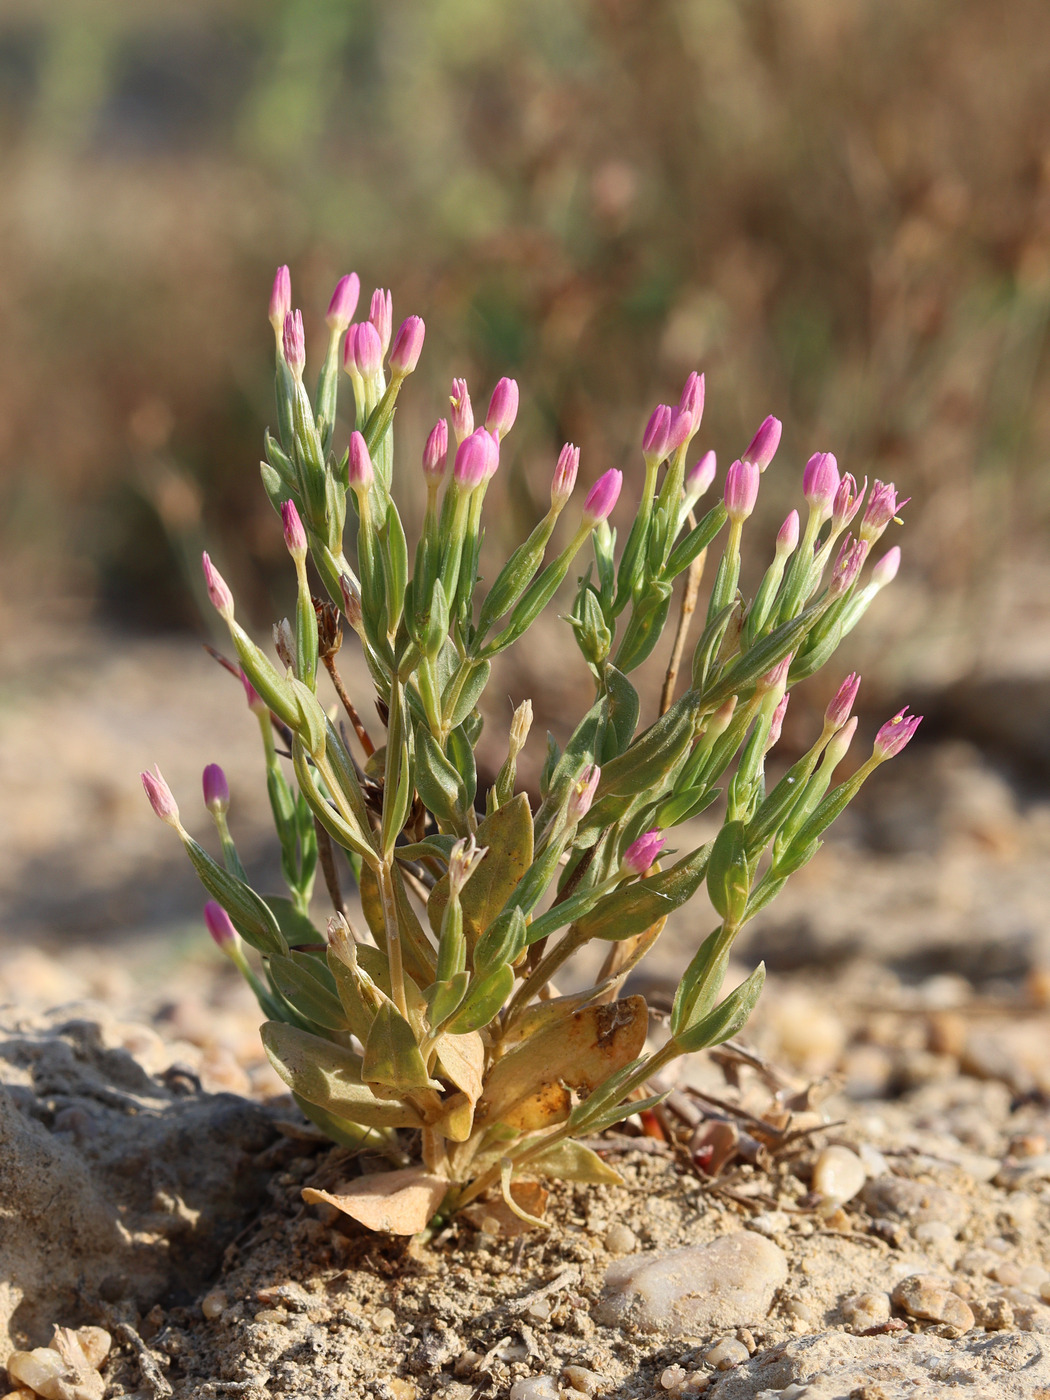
[394, 1203]
[496, 1217]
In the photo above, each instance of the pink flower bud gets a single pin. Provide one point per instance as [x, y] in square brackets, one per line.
[216, 789]
[218, 591]
[776, 679]
[503, 409]
[408, 343]
[381, 316]
[435, 452]
[581, 795]
[462, 413]
[719, 722]
[344, 302]
[698, 481]
[882, 507]
[602, 496]
[565, 474]
[820, 481]
[363, 350]
[741, 490]
[657, 431]
[679, 431]
[359, 466]
[294, 534]
[477, 457]
[763, 446]
[847, 566]
[847, 502]
[160, 798]
[777, 723]
[841, 706]
[280, 298]
[256, 703]
[838, 745]
[692, 400]
[885, 571]
[895, 734]
[640, 854]
[787, 535]
[219, 924]
[295, 343]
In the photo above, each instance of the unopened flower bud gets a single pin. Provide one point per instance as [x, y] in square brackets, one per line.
[775, 679]
[520, 724]
[763, 446]
[435, 452]
[657, 431]
[294, 534]
[602, 496]
[363, 350]
[882, 507]
[503, 409]
[581, 794]
[692, 400]
[462, 413]
[841, 706]
[219, 925]
[218, 590]
[565, 474]
[640, 854]
[351, 602]
[820, 481]
[216, 789]
[280, 299]
[284, 643]
[839, 743]
[408, 344]
[464, 859]
[477, 457]
[776, 725]
[698, 481]
[719, 722]
[847, 502]
[381, 316]
[741, 490]
[256, 703]
[295, 343]
[885, 571]
[680, 429]
[851, 557]
[895, 734]
[787, 535]
[344, 302]
[359, 464]
[160, 798]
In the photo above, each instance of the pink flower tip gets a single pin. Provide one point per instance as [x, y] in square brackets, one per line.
[763, 446]
[462, 413]
[841, 706]
[435, 452]
[787, 535]
[218, 589]
[838, 745]
[216, 789]
[657, 434]
[344, 302]
[564, 479]
[741, 490]
[820, 481]
[359, 465]
[885, 571]
[219, 924]
[280, 298]
[408, 344]
[895, 734]
[883, 506]
[256, 703]
[160, 798]
[847, 502]
[602, 496]
[294, 534]
[776, 725]
[640, 854]
[295, 343]
[776, 679]
[692, 400]
[582, 793]
[363, 350]
[503, 409]
[477, 457]
[851, 556]
[381, 316]
[698, 480]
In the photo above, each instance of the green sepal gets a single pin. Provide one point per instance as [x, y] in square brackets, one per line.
[281, 465]
[251, 916]
[501, 942]
[392, 1057]
[444, 997]
[727, 1018]
[593, 636]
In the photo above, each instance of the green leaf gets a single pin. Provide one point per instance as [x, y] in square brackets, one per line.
[300, 981]
[701, 982]
[330, 1077]
[571, 1161]
[697, 539]
[477, 676]
[444, 997]
[251, 915]
[358, 1002]
[392, 1057]
[507, 834]
[726, 1019]
[622, 716]
[438, 783]
[484, 999]
[501, 942]
[728, 880]
[685, 805]
[461, 752]
[296, 927]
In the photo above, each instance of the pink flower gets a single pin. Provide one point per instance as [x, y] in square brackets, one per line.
[476, 459]
[776, 679]
[787, 535]
[777, 723]
[359, 465]
[847, 502]
[680, 429]
[160, 798]
[602, 496]
[408, 344]
[564, 478]
[838, 745]
[280, 298]
[841, 706]
[885, 571]
[435, 452]
[741, 490]
[882, 507]
[763, 446]
[381, 316]
[462, 413]
[820, 481]
[692, 400]
[219, 924]
[363, 350]
[294, 534]
[216, 789]
[295, 343]
[581, 795]
[640, 854]
[847, 566]
[657, 432]
[344, 302]
[503, 409]
[895, 734]
[218, 590]
[698, 481]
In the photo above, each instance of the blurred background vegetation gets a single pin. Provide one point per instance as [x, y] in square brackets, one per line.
[839, 209]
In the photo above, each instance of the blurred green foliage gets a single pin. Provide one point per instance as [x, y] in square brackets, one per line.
[839, 209]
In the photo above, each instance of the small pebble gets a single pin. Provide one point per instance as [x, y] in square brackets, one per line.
[590, 1382]
[673, 1378]
[620, 1239]
[838, 1175]
[926, 1296]
[863, 1311]
[726, 1353]
[1007, 1273]
[468, 1363]
[535, 1388]
[801, 1311]
[771, 1223]
[95, 1343]
[383, 1320]
[214, 1304]
[933, 1232]
[274, 1315]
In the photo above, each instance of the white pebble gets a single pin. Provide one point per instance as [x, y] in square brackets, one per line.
[589, 1382]
[383, 1320]
[770, 1223]
[838, 1175]
[726, 1353]
[214, 1304]
[620, 1239]
[672, 1378]
[535, 1388]
[874, 1162]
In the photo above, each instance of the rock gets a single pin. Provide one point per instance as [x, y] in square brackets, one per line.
[620, 1239]
[915, 1202]
[928, 1297]
[588, 1382]
[726, 1353]
[214, 1304]
[838, 1175]
[535, 1388]
[141, 1205]
[866, 1310]
[726, 1283]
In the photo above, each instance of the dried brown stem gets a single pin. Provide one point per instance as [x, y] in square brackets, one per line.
[690, 593]
[326, 855]
[348, 705]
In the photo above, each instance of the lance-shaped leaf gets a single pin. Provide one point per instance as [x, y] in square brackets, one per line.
[463, 691]
[330, 1077]
[340, 1130]
[392, 1057]
[501, 942]
[571, 1161]
[745, 670]
[348, 834]
[653, 756]
[728, 879]
[697, 539]
[251, 916]
[437, 781]
[400, 1202]
[507, 835]
[645, 627]
[727, 1018]
[296, 926]
[579, 1051]
[622, 715]
[701, 982]
[484, 999]
[306, 983]
[444, 997]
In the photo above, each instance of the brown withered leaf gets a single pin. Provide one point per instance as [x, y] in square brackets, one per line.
[494, 1216]
[396, 1203]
